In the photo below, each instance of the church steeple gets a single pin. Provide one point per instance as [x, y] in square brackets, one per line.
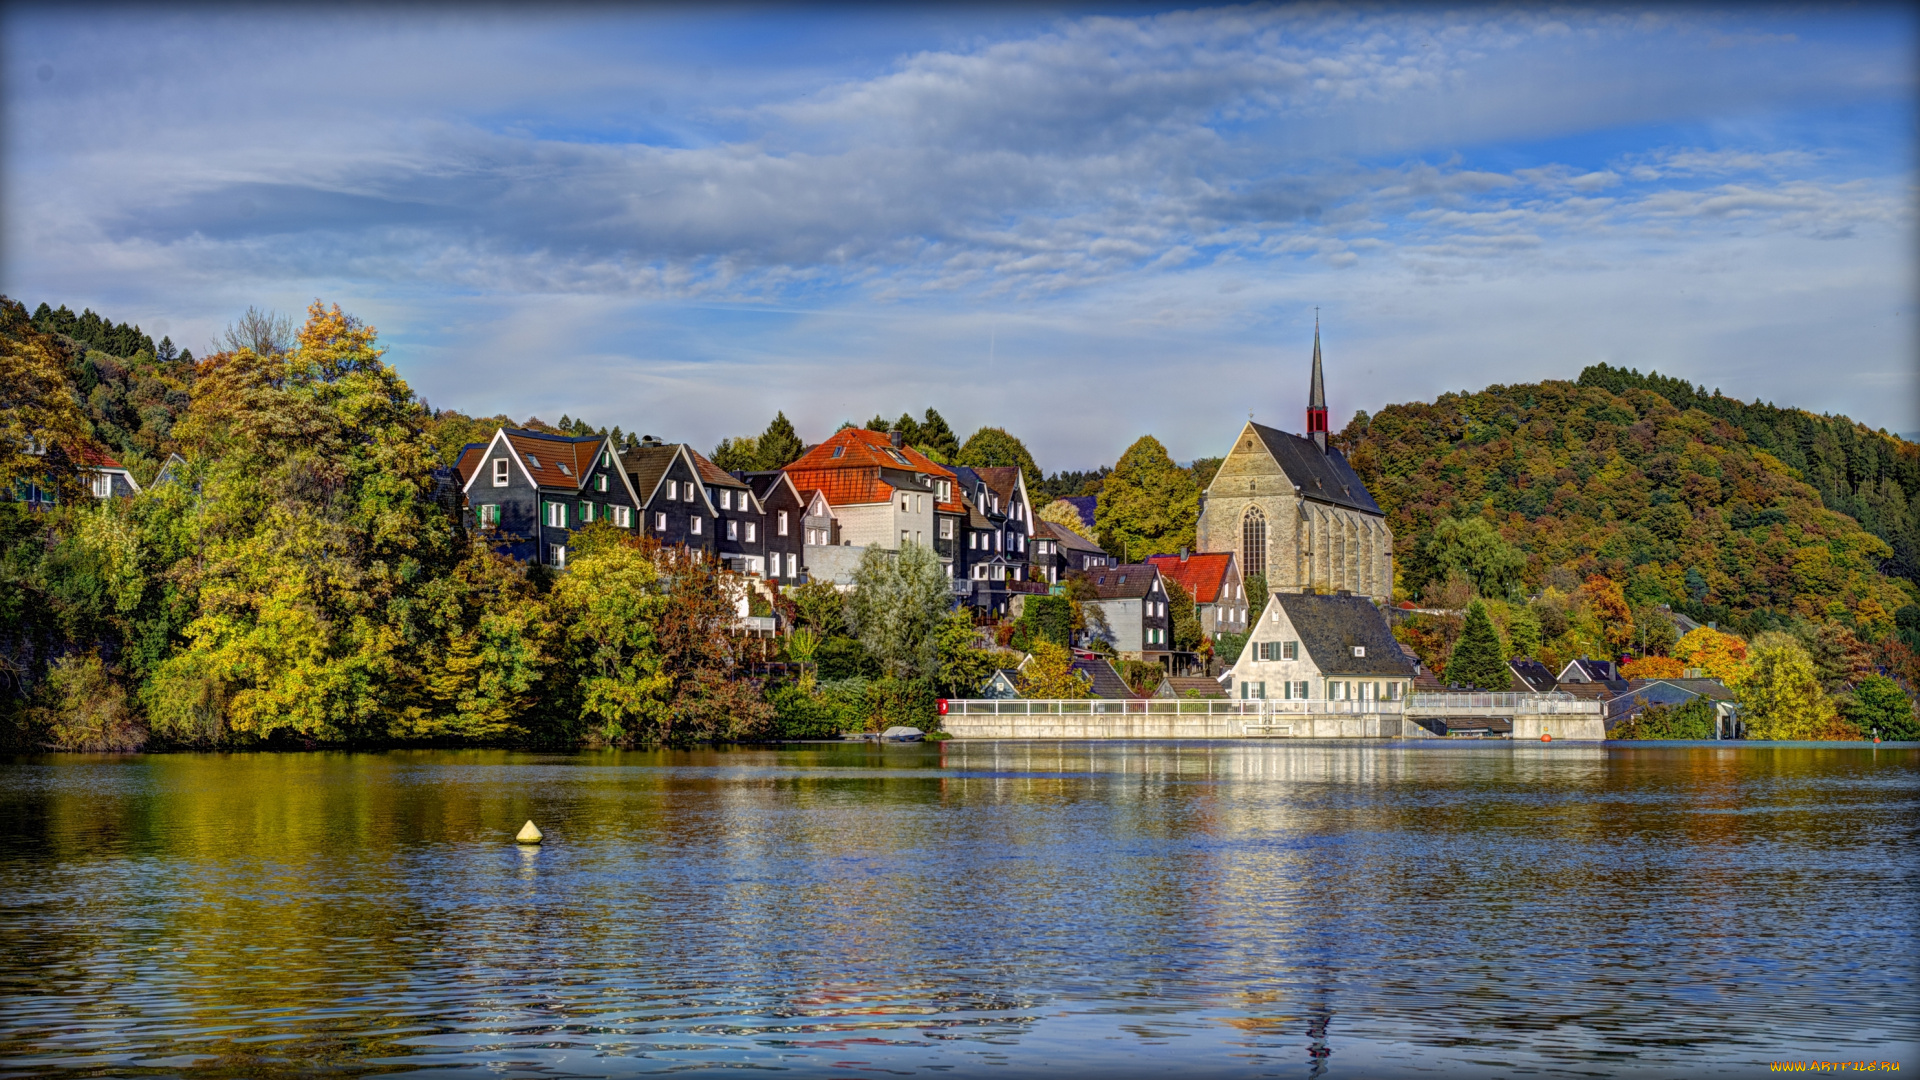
[1317, 394]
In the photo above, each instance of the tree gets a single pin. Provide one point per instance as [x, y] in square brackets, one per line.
[937, 437]
[265, 333]
[1881, 708]
[1479, 660]
[1608, 604]
[1256, 586]
[1717, 655]
[879, 423]
[1652, 667]
[609, 603]
[1780, 695]
[991, 446]
[1472, 547]
[820, 607]
[779, 445]
[1523, 632]
[737, 455]
[897, 603]
[1048, 675]
[1047, 618]
[1187, 634]
[964, 666]
[710, 698]
[43, 436]
[1067, 516]
[1203, 470]
[1148, 505]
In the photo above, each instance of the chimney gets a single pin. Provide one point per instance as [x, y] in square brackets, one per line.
[896, 439]
[1183, 554]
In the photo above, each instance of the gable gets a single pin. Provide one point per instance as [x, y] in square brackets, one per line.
[1324, 477]
[1329, 628]
[511, 453]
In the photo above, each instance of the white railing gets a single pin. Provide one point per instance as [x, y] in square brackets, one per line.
[1481, 703]
[1249, 707]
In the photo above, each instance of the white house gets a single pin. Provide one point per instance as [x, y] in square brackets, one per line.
[1306, 646]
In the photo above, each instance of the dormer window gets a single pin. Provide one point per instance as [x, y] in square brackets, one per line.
[534, 461]
[500, 468]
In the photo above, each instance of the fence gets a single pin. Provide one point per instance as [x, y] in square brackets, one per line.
[1251, 707]
[1475, 703]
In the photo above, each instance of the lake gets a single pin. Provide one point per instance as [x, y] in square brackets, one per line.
[1006, 909]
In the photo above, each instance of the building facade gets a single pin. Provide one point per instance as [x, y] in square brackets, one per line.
[1311, 647]
[1291, 508]
[525, 491]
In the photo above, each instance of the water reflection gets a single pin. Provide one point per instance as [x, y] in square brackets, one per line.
[1336, 909]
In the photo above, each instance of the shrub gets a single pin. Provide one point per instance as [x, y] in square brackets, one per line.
[85, 708]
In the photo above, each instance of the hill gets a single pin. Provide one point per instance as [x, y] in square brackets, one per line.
[1745, 514]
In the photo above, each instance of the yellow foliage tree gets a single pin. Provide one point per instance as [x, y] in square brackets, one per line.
[1780, 695]
[1717, 655]
[1608, 603]
[1049, 674]
[1064, 514]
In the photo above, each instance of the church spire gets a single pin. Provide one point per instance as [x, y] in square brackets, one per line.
[1317, 394]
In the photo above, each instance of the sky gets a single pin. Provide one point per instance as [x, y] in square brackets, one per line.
[1080, 224]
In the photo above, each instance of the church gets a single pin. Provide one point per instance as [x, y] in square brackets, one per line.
[1292, 508]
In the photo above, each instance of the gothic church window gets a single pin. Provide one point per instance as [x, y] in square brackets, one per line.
[1253, 540]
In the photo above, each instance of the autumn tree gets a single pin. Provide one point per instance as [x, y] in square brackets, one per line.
[1608, 605]
[1067, 516]
[1715, 654]
[1780, 695]
[1048, 674]
[1148, 505]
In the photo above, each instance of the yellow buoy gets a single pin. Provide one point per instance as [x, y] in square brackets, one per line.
[529, 833]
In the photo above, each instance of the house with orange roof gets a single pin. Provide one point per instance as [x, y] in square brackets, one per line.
[105, 476]
[525, 491]
[881, 492]
[1213, 580]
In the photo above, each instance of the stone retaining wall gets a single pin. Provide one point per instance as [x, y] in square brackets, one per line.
[1175, 726]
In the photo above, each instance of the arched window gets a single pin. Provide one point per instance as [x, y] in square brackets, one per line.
[1253, 541]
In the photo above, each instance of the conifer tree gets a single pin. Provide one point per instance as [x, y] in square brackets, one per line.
[909, 429]
[166, 353]
[780, 445]
[935, 433]
[1479, 660]
[879, 423]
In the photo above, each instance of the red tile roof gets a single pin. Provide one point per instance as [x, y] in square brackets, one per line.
[98, 458]
[553, 460]
[1201, 575]
[854, 476]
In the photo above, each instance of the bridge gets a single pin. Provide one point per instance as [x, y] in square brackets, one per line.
[1523, 716]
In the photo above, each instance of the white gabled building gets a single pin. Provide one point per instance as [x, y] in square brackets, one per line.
[1321, 648]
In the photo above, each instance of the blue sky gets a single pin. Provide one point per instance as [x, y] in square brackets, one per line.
[1083, 225]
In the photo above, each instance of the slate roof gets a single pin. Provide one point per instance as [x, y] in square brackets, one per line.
[1129, 582]
[1086, 505]
[1534, 675]
[763, 484]
[1179, 686]
[1202, 575]
[1321, 477]
[1330, 627]
[1068, 539]
[1104, 680]
[1585, 670]
[1000, 480]
[714, 474]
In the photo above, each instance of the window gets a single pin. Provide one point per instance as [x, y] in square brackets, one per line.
[686, 491]
[904, 507]
[564, 471]
[1300, 690]
[489, 515]
[534, 461]
[793, 563]
[726, 499]
[586, 512]
[1359, 651]
[1253, 541]
[1393, 691]
[919, 504]
[710, 498]
[733, 529]
[623, 516]
[500, 468]
[1290, 650]
[903, 538]
[1253, 690]
[606, 459]
[557, 515]
[600, 482]
[838, 450]
[673, 489]
[752, 529]
[781, 523]
[557, 555]
[102, 485]
[660, 522]
[918, 537]
[693, 525]
[946, 529]
[946, 491]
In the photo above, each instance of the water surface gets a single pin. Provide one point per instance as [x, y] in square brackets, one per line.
[1004, 908]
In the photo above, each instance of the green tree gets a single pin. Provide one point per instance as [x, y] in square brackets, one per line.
[1186, 620]
[1148, 505]
[909, 429]
[43, 436]
[1880, 707]
[964, 666]
[1523, 632]
[1256, 585]
[1479, 660]
[937, 437]
[992, 446]
[1471, 546]
[1780, 694]
[609, 603]
[1048, 675]
[896, 605]
[740, 454]
[1049, 618]
[780, 444]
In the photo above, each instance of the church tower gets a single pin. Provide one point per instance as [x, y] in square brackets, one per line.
[1317, 396]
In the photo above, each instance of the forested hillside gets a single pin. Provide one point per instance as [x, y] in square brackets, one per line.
[1730, 512]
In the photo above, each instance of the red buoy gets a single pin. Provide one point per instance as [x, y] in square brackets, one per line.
[1546, 737]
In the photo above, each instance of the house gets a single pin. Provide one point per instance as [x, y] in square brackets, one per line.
[1012, 510]
[784, 516]
[1293, 510]
[738, 520]
[525, 491]
[106, 477]
[1322, 648]
[1531, 677]
[1212, 579]
[172, 470]
[1584, 670]
[1134, 603]
[878, 491]
[1003, 685]
[1672, 693]
[1189, 686]
[1065, 551]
